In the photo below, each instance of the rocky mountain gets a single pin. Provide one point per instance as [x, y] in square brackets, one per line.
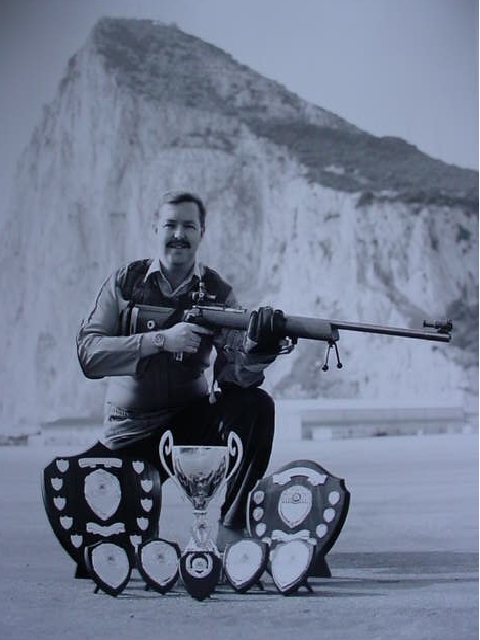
[306, 212]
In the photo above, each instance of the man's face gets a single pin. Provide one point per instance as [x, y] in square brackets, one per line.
[179, 233]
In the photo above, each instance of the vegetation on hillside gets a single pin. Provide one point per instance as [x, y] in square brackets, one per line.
[166, 65]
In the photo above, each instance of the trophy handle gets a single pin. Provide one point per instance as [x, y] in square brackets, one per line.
[166, 447]
[235, 448]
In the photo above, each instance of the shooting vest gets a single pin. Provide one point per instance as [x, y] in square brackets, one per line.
[137, 290]
[162, 380]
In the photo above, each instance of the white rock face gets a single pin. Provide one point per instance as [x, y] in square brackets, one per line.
[90, 179]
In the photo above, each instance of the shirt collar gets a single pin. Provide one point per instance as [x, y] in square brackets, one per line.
[156, 268]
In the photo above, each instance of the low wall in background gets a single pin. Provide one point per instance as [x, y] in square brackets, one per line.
[296, 420]
[336, 419]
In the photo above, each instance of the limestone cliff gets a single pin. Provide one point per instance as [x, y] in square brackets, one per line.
[305, 212]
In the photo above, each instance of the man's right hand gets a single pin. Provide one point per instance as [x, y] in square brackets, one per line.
[184, 337]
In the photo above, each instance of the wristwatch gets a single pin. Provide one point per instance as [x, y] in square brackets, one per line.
[159, 339]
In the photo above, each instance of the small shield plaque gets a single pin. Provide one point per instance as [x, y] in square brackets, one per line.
[244, 562]
[290, 562]
[109, 565]
[158, 563]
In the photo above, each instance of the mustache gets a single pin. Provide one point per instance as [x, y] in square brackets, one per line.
[178, 244]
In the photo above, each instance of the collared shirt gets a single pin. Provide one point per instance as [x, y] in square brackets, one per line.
[156, 268]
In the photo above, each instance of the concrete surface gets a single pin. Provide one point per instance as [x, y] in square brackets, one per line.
[404, 567]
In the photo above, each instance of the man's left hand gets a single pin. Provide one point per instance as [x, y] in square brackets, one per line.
[265, 332]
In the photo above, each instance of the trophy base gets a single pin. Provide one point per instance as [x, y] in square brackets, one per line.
[200, 572]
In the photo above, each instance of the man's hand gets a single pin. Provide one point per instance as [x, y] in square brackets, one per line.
[184, 337]
[265, 332]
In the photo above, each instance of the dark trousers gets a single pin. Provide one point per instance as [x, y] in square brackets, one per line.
[249, 412]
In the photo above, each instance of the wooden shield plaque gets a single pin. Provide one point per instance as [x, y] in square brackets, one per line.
[300, 501]
[96, 499]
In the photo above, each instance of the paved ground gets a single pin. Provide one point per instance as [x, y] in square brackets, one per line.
[405, 565]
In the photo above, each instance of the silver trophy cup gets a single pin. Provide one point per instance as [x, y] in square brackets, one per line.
[200, 471]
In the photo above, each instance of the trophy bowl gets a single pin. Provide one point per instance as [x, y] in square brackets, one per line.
[200, 471]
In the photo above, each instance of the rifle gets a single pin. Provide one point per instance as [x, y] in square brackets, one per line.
[216, 316]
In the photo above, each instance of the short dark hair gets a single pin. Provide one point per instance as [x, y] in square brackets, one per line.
[176, 197]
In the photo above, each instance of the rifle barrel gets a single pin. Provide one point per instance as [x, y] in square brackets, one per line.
[421, 334]
[313, 328]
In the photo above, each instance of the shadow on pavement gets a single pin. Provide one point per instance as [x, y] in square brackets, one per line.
[355, 574]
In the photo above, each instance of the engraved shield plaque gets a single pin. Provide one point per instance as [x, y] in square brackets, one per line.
[97, 499]
[300, 501]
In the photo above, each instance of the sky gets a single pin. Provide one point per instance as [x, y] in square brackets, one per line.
[406, 68]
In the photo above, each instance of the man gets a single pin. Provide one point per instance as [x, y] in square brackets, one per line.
[157, 379]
